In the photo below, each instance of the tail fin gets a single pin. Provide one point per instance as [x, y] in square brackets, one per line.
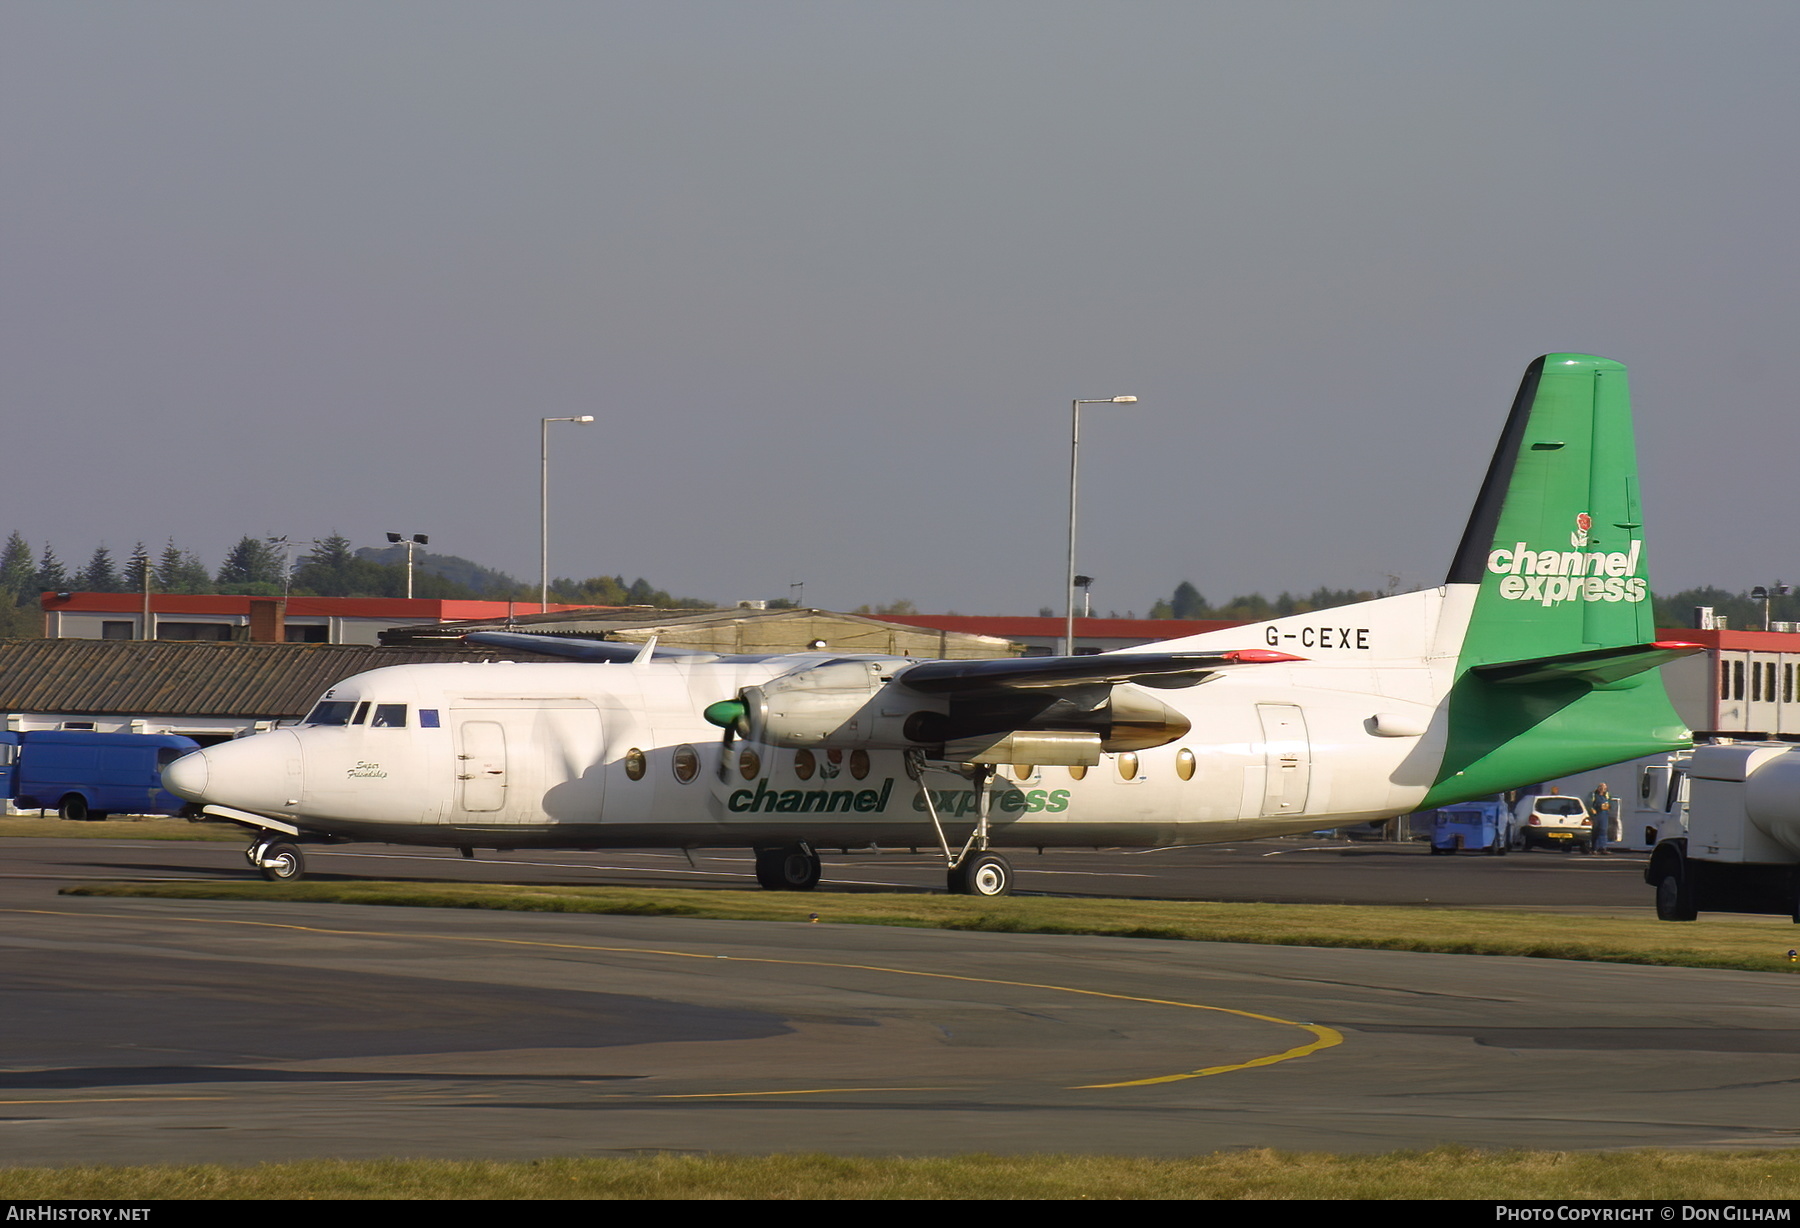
[1555, 552]
[1556, 539]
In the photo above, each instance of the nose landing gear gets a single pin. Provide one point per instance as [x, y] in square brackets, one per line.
[279, 860]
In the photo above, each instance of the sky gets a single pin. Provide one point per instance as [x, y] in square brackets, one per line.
[828, 275]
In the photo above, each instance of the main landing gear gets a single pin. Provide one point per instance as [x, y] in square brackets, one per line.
[975, 870]
[279, 860]
[792, 867]
[981, 874]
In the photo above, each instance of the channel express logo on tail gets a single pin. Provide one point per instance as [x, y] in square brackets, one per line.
[1551, 577]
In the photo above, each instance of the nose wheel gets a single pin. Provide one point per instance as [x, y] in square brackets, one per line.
[279, 861]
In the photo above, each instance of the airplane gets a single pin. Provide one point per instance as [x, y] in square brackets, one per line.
[1536, 658]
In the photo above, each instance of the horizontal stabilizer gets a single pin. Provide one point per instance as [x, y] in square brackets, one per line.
[1596, 667]
[1032, 673]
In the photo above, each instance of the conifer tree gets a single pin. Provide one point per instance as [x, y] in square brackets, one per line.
[51, 576]
[137, 568]
[99, 576]
[17, 571]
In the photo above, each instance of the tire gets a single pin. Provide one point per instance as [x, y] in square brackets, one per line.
[791, 868]
[984, 874]
[282, 863]
[1674, 901]
[74, 808]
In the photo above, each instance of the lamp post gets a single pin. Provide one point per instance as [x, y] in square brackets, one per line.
[1764, 595]
[417, 539]
[544, 510]
[1074, 470]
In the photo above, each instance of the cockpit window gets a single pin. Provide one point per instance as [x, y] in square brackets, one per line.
[389, 716]
[362, 710]
[428, 718]
[331, 712]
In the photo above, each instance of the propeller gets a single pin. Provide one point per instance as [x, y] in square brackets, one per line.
[730, 715]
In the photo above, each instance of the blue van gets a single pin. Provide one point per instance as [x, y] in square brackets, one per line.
[85, 775]
[1473, 826]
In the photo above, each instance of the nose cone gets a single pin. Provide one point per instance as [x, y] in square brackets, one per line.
[256, 774]
[186, 777]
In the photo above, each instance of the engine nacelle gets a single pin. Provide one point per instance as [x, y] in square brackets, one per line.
[843, 703]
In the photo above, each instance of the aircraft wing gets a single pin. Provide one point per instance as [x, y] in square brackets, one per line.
[575, 649]
[1020, 710]
[1156, 669]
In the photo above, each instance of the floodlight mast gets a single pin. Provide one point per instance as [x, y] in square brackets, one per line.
[544, 509]
[417, 539]
[1074, 470]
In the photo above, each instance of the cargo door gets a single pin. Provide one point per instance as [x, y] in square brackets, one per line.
[530, 760]
[481, 765]
[1287, 759]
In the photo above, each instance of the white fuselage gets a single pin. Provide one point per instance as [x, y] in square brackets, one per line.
[592, 755]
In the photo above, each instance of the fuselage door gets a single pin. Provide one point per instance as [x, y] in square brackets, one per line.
[1287, 756]
[481, 765]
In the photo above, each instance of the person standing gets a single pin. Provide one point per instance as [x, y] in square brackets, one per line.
[1600, 803]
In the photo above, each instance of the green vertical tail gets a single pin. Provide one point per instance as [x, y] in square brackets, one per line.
[1556, 670]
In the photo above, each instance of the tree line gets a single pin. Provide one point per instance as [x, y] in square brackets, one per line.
[1741, 611]
[270, 567]
[1186, 602]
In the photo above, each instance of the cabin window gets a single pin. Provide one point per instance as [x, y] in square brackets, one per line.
[1184, 763]
[635, 763]
[1128, 765]
[749, 764]
[389, 716]
[686, 763]
[805, 764]
[331, 712]
[1022, 771]
[1077, 771]
[859, 763]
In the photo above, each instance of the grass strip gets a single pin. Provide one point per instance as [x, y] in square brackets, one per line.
[146, 828]
[1444, 1172]
[1737, 944]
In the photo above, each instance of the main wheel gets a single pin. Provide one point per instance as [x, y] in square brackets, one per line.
[1674, 899]
[74, 807]
[985, 874]
[792, 868]
[282, 863]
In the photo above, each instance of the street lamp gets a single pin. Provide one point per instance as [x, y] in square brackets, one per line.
[1086, 585]
[1759, 593]
[544, 510]
[417, 539]
[1074, 469]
